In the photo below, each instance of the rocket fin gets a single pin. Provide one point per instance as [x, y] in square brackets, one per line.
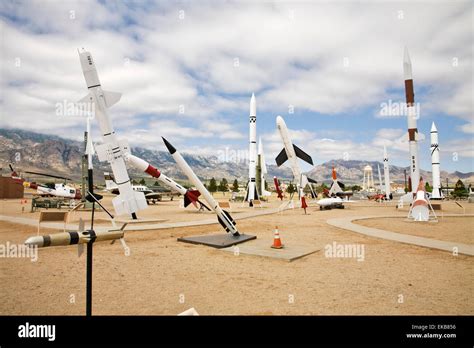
[312, 181]
[281, 158]
[87, 99]
[191, 196]
[111, 98]
[303, 155]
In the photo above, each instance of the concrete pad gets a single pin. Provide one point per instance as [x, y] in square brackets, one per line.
[217, 240]
[263, 248]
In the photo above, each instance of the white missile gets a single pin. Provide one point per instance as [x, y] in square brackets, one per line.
[380, 178]
[128, 201]
[290, 152]
[223, 216]
[419, 209]
[436, 193]
[263, 168]
[252, 193]
[412, 116]
[386, 173]
[190, 196]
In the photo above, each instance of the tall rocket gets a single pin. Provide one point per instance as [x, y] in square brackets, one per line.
[436, 194]
[386, 173]
[252, 193]
[411, 117]
[113, 149]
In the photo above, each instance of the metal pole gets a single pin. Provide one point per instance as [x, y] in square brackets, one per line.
[89, 280]
[405, 172]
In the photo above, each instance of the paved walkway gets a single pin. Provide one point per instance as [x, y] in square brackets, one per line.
[346, 224]
[140, 226]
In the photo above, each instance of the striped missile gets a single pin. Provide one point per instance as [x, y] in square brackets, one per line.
[223, 216]
[73, 237]
[411, 117]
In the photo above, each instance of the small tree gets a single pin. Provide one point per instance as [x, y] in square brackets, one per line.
[235, 186]
[156, 183]
[460, 190]
[356, 188]
[291, 188]
[428, 188]
[212, 187]
[223, 185]
[142, 181]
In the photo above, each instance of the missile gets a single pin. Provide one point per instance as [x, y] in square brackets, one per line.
[419, 208]
[380, 178]
[291, 153]
[112, 150]
[263, 168]
[436, 193]
[386, 173]
[223, 216]
[277, 188]
[252, 193]
[411, 117]
[190, 196]
[73, 237]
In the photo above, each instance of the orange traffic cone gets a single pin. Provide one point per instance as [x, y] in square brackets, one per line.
[276, 239]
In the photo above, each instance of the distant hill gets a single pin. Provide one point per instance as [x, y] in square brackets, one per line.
[55, 155]
[59, 156]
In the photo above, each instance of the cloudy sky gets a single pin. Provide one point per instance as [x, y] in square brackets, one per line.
[187, 71]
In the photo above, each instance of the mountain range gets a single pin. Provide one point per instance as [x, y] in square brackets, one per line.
[29, 151]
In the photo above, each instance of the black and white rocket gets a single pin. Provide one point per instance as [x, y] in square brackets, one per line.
[223, 216]
[252, 193]
[411, 117]
[436, 193]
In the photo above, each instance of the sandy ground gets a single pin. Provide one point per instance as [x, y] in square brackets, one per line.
[451, 229]
[163, 276]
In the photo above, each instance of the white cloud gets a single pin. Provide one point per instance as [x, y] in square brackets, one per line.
[288, 53]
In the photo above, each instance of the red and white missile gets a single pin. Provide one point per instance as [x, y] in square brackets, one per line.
[223, 216]
[252, 193]
[277, 188]
[412, 116]
[436, 193]
[190, 196]
[113, 149]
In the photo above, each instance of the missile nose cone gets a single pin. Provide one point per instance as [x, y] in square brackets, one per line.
[253, 106]
[433, 128]
[36, 240]
[279, 120]
[406, 56]
[170, 147]
[407, 66]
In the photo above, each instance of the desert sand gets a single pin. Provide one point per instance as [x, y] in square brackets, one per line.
[162, 276]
